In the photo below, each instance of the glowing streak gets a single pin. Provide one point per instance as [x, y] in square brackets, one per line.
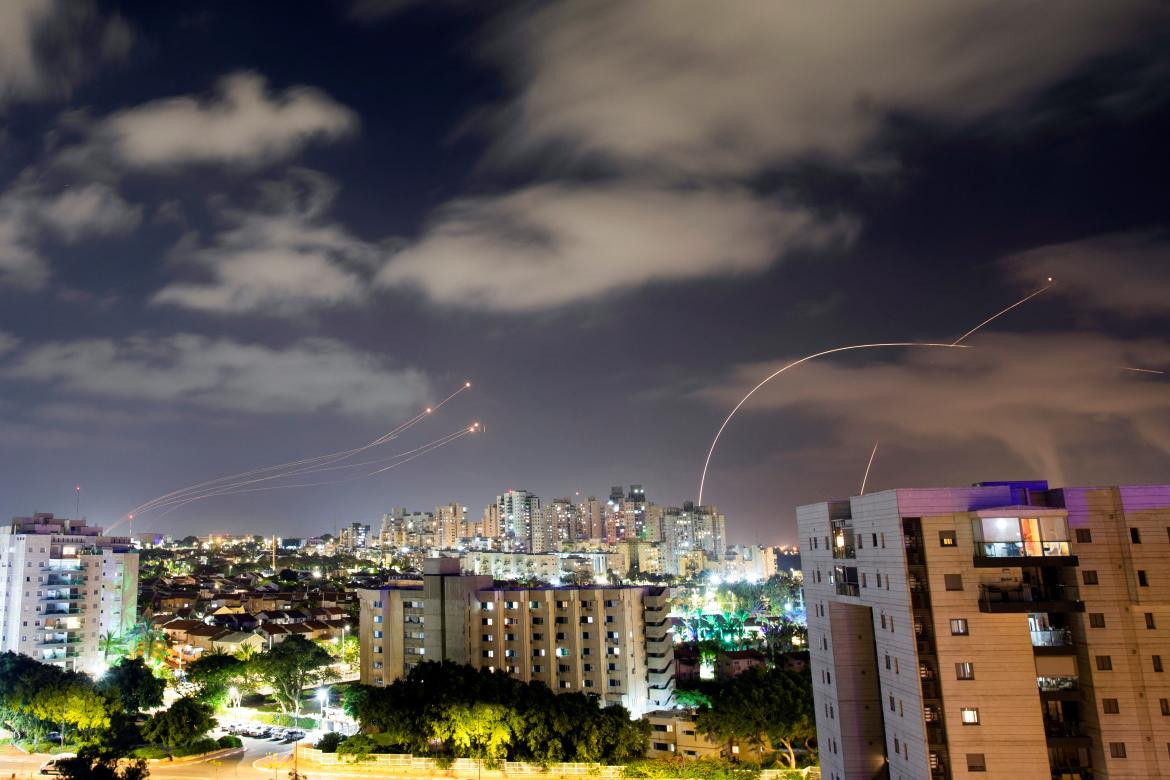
[319, 460]
[999, 314]
[794, 364]
[418, 454]
[1142, 370]
[868, 466]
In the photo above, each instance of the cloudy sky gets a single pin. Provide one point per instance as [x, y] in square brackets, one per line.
[237, 234]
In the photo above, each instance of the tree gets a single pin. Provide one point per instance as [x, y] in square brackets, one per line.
[148, 643]
[481, 729]
[213, 674]
[290, 667]
[93, 764]
[180, 724]
[71, 699]
[131, 683]
[762, 705]
[111, 643]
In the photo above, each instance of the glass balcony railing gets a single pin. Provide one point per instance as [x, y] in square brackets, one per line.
[1058, 683]
[1052, 637]
[1024, 549]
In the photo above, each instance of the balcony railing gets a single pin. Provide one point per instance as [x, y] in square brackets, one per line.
[1030, 598]
[1058, 683]
[71, 610]
[1052, 637]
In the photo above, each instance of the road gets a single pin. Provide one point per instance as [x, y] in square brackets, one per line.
[14, 764]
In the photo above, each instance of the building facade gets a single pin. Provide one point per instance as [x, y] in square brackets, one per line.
[610, 641]
[66, 585]
[1001, 630]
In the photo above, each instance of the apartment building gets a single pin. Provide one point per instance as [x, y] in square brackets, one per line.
[610, 641]
[66, 585]
[1000, 630]
[673, 734]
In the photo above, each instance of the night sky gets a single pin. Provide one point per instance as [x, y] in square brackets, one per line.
[235, 234]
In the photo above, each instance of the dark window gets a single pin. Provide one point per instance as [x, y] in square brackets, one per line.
[959, 627]
[1117, 749]
[1109, 706]
[1084, 536]
[1157, 663]
[875, 543]
[1096, 620]
[1142, 579]
[1150, 620]
[1089, 577]
[976, 762]
[1135, 535]
[1165, 705]
[1104, 663]
[946, 539]
[953, 581]
[965, 671]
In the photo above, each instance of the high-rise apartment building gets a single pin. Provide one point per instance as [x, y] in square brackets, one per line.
[1002, 630]
[690, 529]
[519, 511]
[610, 641]
[451, 525]
[354, 536]
[66, 585]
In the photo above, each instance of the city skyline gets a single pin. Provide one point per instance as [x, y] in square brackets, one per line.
[238, 237]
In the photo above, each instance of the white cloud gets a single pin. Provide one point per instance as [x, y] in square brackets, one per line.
[1125, 273]
[8, 342]
[92, 209]
[46, 46]
[1051, 399]
[281, 259]
[311, 375]
[242, 123]
[684, 85]
[30, 216]
[549, 245]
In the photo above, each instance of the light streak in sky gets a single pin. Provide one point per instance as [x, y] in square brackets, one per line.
[418, 452]
[868, 466]
[1142, 370]
[956, 344]
[794, 364]
[284, 469]
[999, 314]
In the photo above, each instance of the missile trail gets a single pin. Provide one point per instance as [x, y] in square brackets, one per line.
[318, 460]
[794, 364]
[418, 453]
[868, 466]
[999, 314]
[231, 488]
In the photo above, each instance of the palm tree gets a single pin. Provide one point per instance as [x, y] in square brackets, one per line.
[149, 644]
[112, 643]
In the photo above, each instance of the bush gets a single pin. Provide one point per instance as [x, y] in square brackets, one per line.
[329, 742]
[229, 741]
[359, 746]
[691, 769]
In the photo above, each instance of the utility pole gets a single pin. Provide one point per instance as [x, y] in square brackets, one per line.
[274, 556]
[77, 494]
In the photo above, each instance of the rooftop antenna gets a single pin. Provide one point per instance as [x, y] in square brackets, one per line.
[274, 555]
[77, 495]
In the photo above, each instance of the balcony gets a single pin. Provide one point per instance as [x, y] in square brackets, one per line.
[1059, 688]
[1029, 598]
[70, 610]
[1003, 555]
[1053, 641]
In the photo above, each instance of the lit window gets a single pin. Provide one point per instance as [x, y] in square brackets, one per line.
[959, 627]
[969, 716]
